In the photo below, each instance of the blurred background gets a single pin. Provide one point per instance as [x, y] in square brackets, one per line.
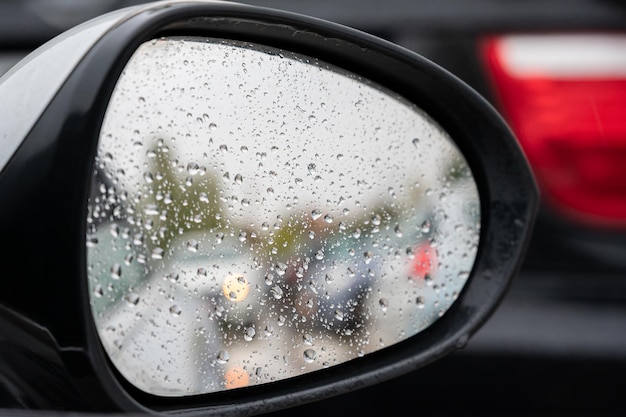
[556, 70]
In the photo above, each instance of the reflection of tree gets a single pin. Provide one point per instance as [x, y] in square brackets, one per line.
[179, 198]
[310, 276]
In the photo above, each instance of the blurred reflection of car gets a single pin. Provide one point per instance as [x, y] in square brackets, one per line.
[564, 323]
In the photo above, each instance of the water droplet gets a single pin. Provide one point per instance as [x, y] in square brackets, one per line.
[98, 291]
[428, 280]
[277, 292]
[193, 168]
[212, 126]
[222, 357]
[309, 355]
[157, 253]
[138, 239]
[173, 276]
[367, 256]
[219, 238]
[357, 233]
[425, 227]
[245, 202]
[384, 304]
[397, 230]
[151, 210]
[415, 142]
[339, 315]
[202, 272]
[116, 271]
[376, 220]
[311, 234]
[175, 310]
[238, 179]
[192, 245]
[311, 168]
[328, 218]
[148, 178]
[248, 335]
[307, 339]
[319, 255]
[270, 191]
[243, 236]
[280, 268]
[316, 214]
[421, 303]
[132, 299]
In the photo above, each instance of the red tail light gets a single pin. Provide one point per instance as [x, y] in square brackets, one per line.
[565, 98]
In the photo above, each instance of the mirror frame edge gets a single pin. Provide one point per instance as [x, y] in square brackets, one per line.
[488, 146]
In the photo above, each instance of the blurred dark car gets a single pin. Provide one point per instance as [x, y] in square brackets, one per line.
[556, 70]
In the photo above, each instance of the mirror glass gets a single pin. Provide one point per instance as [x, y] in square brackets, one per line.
[256, 215]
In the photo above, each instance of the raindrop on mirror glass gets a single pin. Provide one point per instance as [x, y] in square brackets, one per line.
[222, 357]
[277, 292]
[249, 334]
[175, 310]
[192, 245]
[384, 304]
[157, 253]
[193, 168]
[98, 291]
[132, 299]
[309, 355]
[116, 271]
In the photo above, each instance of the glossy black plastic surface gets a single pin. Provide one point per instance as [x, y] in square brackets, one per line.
[44, 187]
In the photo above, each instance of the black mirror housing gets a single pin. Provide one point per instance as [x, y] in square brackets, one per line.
[44, 189]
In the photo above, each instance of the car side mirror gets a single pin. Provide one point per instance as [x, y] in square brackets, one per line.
[215, 208]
